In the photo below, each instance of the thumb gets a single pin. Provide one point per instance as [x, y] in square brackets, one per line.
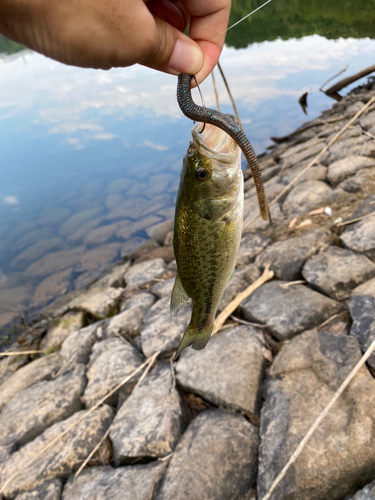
[172, 52]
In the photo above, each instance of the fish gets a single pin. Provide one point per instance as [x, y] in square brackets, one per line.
[207, 229]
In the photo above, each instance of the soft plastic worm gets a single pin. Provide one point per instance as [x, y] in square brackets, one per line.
[229, 125]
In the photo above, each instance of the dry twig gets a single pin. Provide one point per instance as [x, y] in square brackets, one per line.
[215, 91]
[232, 306]
[357, 219]
[332, 141]
[20, 353]
[230, 95]
[318, 421]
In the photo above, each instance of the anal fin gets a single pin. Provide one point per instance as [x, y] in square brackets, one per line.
[179, 296]
[196, 338]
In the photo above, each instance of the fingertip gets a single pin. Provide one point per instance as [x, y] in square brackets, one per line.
[186, 57]
[211, 53]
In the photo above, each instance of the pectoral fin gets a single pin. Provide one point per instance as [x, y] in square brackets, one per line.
[179, 296]
[194, 337]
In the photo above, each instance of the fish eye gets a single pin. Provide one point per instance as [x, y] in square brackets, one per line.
[202, 174]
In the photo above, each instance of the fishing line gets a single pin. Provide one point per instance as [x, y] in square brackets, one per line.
[240, 21]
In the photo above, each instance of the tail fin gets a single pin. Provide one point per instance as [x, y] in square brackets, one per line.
[195, 337]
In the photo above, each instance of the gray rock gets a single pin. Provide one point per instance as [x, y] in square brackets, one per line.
[316, 173]
[367, 493]
[251, 209]
[368, 120]
[144, 272]
[61, 329]
[76, 348]
[111, 361]
[362, 310]
[161, 331]
[128, 322]
[163, 289]
[229, 372]
[216, 459]
[52, 287]
[50, 490]
[361, 180]
[32, 411]
[349, 146]
[286, 258]
[288, 311]
[341, 169]
[303, 379]
[11, 364]
[83, 432]
[115, 278]
[251, 246]
[295, 154]
[243, 277]
[337, 271]
[101, 303]
[151, 421]
[360, 237]
[160, 231]
[34, 372]
[136, 482]
[305, 196]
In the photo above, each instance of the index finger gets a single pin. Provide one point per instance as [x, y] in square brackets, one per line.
[208, 24]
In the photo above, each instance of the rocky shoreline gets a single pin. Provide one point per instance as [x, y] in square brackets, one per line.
[222, 422]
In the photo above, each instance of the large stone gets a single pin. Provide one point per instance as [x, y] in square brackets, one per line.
[305, 196]
[362, 310]
[349, 146]
[76, 348]
[32, 411]
[216, 459]
[367, 493]
[137, 482]
[161, 331]
[165, 253]
[337, 271]
[140, 274]
[286, 258]
[52, 287]
[111, 361]
[360, 237]
[102, 234]
[251, 245]
[128, 322]
[150, 422]
[303, 379]
[50, 490]
[229, 372]
[41, 461]
[290, 310]
[99, 302]
[163, 289]
[341, 169]
[32, 373]
[61, 329]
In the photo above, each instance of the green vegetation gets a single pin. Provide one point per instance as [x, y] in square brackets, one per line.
[297, 18]
[8, 46]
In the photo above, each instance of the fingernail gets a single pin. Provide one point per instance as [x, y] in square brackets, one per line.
[186, 58]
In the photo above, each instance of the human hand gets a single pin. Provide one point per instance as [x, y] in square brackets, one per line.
[117, 33]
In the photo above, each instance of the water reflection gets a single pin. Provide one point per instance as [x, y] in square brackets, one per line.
[91, 159]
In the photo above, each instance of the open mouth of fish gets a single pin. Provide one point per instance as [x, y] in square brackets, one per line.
[215, 143]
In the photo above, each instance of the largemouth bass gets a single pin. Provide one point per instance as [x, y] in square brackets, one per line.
[207, 232]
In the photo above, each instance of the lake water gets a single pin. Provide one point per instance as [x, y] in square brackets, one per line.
[90, 159]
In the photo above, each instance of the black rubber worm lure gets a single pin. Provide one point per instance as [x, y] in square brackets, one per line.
[230, 126]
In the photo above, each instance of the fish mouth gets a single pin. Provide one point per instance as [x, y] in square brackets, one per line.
[215, 143]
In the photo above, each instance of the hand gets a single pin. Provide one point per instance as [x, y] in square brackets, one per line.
[114, 33]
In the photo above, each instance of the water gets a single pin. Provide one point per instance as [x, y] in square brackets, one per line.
[90, 159]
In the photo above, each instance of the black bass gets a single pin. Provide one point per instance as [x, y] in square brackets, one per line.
[207, 232]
